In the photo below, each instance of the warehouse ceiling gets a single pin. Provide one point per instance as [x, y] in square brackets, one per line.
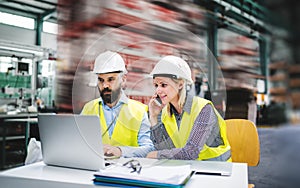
[37, 9]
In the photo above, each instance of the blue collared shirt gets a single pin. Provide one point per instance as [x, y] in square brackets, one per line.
[144, 141]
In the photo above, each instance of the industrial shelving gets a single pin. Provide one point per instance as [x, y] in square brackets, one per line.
[127, 25]
[131, 31]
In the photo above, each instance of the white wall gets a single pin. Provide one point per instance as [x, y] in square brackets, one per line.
[49, 41]
[26, 36]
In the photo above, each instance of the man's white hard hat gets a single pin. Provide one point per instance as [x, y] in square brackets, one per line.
[173, 67]
[108, 62]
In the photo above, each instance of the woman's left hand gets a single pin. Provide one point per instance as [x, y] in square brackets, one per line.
[152, 154]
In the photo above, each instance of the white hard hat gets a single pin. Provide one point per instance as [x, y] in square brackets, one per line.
[174, 67]
[108, 62]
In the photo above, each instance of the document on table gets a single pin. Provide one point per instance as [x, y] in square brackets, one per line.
[153, 176]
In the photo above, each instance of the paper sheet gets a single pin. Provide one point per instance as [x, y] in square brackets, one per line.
[161, 174]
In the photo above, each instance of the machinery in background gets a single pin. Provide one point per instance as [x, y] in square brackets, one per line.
[26, 78]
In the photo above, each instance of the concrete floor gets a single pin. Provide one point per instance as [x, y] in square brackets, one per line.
[279, 165]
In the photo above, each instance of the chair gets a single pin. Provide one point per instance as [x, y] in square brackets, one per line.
[243, 139]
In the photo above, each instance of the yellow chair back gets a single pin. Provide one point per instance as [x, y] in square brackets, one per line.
[244, 141]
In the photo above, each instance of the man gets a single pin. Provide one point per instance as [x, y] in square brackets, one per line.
[124, 122]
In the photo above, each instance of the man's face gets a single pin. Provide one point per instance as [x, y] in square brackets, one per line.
[110, 86]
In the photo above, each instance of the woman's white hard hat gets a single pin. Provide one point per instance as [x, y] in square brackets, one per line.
[174, 67]
[108, 62]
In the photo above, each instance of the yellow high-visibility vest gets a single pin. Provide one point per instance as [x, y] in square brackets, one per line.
[128, 122]
[180, 137]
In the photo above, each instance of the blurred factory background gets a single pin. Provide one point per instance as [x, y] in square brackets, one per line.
[244, 54]
[255, 44]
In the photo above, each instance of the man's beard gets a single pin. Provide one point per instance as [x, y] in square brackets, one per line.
[112, 97]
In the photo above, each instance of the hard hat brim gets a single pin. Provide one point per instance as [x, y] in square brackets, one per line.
[165, 75]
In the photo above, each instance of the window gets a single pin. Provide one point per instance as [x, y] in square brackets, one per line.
[15, 20]
[50, 27]
[5, 63]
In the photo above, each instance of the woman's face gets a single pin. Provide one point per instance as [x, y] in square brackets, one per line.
[167, 89]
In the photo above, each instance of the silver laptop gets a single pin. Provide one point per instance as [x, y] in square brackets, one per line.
[204, 167]
[70, 140]
[212, 167]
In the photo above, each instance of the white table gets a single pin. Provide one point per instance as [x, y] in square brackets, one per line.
[40, 175]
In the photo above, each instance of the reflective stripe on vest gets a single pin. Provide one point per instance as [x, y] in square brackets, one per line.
[180, 137]
[127, 125]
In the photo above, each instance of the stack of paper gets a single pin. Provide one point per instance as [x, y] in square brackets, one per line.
[154, 176]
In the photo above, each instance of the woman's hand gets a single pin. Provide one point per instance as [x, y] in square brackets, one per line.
[154, 110]
[152, 155]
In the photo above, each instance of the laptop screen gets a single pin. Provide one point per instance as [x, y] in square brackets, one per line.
[70, 140]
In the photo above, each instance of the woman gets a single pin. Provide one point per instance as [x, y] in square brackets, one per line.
[184, 126]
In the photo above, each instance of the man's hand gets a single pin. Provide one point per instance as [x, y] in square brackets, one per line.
[112, 150]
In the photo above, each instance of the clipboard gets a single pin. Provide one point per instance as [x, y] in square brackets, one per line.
[162, 176]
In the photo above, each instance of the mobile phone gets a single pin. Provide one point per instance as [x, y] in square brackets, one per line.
[158, 101]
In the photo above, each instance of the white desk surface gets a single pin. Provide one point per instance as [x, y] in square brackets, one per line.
[40, 175]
